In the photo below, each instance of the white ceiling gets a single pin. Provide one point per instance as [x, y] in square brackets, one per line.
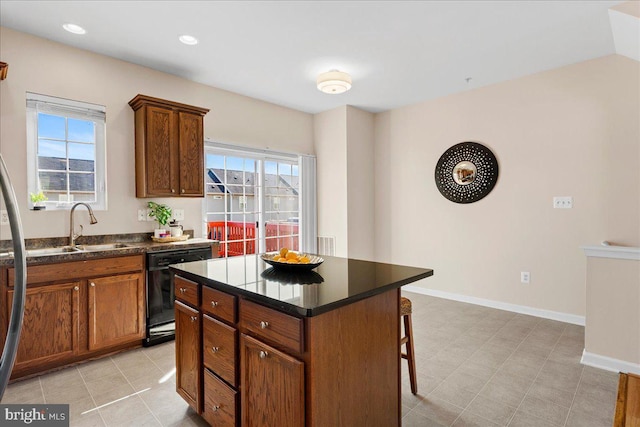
[397, 52]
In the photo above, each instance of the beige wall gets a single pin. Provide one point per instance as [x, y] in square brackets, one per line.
[42, 66]
[572, 131]
[360, 176]
[613, 309]
[345, 171]
[330, 138]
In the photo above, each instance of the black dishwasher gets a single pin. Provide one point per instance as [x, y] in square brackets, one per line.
[160, 291]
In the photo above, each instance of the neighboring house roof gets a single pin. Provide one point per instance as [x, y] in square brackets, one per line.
[53, 174]
[239, 182]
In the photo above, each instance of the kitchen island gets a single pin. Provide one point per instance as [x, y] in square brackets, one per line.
[260, 347]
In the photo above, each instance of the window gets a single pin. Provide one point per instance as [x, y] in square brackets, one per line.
[66, 151]
[254, 200]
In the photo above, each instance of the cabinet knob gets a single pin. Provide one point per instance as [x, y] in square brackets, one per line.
[182, 191]
[173, 190]
[263, 354]
[264, 325]
[215, 349]
[214, 303]
[183, 290]
[93, 285]
[76, 288]
[215, 408]
[194, 318]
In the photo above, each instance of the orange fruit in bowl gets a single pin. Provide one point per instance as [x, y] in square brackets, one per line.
[292, 255]
[283, 252]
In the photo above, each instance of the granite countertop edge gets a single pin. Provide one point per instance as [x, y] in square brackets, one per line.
[292, 309]
[136, 243]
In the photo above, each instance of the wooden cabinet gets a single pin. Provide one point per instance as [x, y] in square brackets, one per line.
[77, 310]
[220, 402]
[43, 340]
[169, 140]
[338, 368]
[188, 355]
[272, 385]
[116, 310]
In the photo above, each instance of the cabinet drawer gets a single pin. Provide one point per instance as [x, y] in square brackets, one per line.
[187, 291]
[219, 304]
[219, 343]
[220, 402]
[275, 327]
[75, 270]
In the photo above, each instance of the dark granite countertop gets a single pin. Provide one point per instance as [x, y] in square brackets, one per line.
[336, 282]
[135, 243]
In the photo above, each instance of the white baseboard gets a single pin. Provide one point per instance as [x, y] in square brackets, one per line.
[609, 363]
[523, 309]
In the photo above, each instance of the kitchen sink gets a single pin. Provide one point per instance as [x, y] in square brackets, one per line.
[52, 251]
[103, 247]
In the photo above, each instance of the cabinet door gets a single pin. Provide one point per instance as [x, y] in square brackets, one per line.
[161, 154]
[116, 310]
[191, 155]
[188, 356]
[272, 385]
[42, 340]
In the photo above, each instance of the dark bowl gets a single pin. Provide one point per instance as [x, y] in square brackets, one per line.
[314, 261]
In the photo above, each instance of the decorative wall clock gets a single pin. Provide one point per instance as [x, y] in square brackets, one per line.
[466, 172]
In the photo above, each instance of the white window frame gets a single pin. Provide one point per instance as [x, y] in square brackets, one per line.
[37, 103]
[307, 206]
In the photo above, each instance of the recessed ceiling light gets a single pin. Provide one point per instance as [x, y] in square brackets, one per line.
[334, 82]
[187, 39]
[75, 29]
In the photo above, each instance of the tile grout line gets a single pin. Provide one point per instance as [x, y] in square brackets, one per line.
[95, 405]
[494, 374]
[534, 380]
[134, 389]
[455, 370]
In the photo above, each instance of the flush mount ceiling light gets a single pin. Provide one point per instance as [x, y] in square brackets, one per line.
[75, 29]
[187, 39]
[334, 82]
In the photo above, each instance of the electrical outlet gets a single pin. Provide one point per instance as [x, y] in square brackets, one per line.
[178, 214]
[4, 218]
[562, 202]
[525, 277]
[142, 214]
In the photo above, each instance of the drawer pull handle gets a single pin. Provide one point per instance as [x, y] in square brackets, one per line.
[263, 354]
[215, 349]
[214, 303]
[264, 325]
[93, 285]
[183, 290]
[215, 408]
[76, 288]
[194, 318]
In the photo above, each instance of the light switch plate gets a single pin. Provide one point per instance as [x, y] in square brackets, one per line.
[178, 214]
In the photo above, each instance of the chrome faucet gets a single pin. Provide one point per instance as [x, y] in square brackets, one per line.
[92, 220]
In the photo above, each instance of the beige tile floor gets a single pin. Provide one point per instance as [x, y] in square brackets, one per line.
[476, 366]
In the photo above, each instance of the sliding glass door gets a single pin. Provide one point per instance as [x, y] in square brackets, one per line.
[252, 202]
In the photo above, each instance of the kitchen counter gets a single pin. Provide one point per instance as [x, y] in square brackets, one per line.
[135, 243]
[335, 283]
[257, 346]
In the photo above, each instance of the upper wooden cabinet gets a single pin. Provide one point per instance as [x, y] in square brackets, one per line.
[169, 148]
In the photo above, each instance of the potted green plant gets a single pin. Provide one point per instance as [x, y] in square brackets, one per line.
[162, 215]
[38, 200]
